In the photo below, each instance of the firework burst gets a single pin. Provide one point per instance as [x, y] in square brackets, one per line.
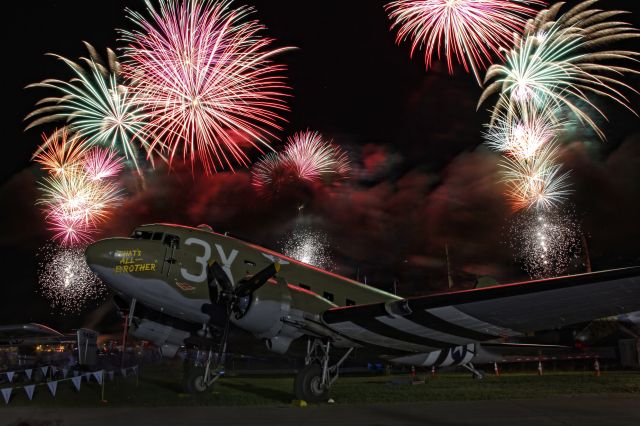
[205, 78]
[469, 31]
[101, 163]
[96, 105]
[78, 194]
[537, 181]
[312, 158]
[60, 153]
[307, 157]
[562, 61]
[65, 279]
[547, 242]
[521, 132]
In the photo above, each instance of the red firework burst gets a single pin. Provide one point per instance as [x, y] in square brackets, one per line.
[470, 31]
[203, 75]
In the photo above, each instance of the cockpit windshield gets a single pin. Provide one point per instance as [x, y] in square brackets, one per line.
[166, 239]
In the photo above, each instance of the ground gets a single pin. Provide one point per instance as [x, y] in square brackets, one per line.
[160, 386]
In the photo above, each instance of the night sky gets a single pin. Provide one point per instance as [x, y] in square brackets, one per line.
[421, 178]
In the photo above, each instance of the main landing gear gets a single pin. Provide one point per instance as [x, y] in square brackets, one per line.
[200, 375]
[313, 382]
[477, 374]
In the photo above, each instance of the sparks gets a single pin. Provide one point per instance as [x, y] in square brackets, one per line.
[545, 243]
[65, 279]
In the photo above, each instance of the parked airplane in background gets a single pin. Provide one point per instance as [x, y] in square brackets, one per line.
[186, 285]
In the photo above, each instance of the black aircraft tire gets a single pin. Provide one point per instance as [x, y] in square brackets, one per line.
[306, 385]
[194, 381]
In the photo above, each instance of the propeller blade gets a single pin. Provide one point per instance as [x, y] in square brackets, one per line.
[247, 286]
[215, 272]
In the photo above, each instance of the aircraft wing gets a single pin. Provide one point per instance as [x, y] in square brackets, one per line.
[428, 323]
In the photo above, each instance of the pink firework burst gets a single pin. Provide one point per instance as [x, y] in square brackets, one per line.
[102, 163]
[312, 158]
[206, 81]
[470, 31]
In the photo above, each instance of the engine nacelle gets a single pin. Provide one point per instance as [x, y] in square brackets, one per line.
[268, 305]
[167, 338]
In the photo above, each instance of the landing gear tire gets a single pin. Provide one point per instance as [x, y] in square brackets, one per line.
[308, 384]
[194, 381]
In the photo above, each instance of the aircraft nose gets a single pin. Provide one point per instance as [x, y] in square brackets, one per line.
[97, 254]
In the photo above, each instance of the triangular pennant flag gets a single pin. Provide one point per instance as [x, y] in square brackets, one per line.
[28, 372]
[6, 394]
[87, 376]
[29, 390]
[98, 376]
[124, 372]
[111, 375]
[76, 381]
[10, 375]
[65, 370]
[75, 373]
[44, 370]
[53, 386]
[54, 370]
[135, 369]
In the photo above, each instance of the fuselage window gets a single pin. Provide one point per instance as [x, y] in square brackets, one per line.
[350, 302]
[328, 296]
[141, 235]
[171, 240]
[157, 236]
[306, 287]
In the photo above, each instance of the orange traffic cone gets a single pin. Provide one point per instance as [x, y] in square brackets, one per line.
[433, 371]
[539, 368]
[596, 365]
[496, 369]
[413, 373]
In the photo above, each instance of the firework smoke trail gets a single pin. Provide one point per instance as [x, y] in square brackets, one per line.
[309, 246]
[307, 157]
[548, 241]
[562, 61]
[96, 105]
[205, 78]
[65, 279]
[471, 31]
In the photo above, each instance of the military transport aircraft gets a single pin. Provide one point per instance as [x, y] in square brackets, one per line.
[190, 286]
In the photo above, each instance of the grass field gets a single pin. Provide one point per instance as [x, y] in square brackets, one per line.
[160, 386]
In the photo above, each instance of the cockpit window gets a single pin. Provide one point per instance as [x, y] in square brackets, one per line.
[171, 240]
[157, 236]
[141, 235]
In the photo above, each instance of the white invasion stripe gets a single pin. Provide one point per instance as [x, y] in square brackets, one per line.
[431, 359]
[354, 331]
[459, 318]
[419, 330]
